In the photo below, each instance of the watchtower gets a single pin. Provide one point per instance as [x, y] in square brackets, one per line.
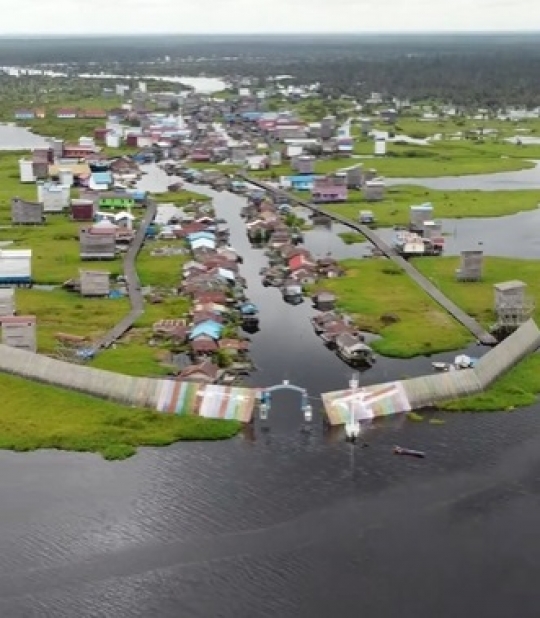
[513, 306]
[471, 265]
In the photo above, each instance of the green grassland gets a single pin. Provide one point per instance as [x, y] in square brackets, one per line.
[395, 208]
[520, 386]
[372, 289]
[34, 416]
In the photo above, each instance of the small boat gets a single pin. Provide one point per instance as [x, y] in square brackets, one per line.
[398, 450]
[438, 366]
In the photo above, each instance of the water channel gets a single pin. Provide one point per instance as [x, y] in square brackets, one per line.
[284, 524]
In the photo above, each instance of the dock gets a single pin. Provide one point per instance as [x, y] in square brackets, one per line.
[475, 328]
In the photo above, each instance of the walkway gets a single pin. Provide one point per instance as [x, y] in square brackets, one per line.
[456, 312]
[132, 282]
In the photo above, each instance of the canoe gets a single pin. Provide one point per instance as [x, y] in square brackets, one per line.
[398, 450]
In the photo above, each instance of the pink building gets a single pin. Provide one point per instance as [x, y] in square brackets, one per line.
[327, 190]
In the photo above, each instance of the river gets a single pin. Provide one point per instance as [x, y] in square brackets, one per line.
[283, 523]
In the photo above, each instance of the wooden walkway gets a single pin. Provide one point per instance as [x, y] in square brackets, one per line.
[456, 312]
[133, 284]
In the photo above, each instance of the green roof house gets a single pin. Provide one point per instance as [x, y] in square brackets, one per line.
[122, 201]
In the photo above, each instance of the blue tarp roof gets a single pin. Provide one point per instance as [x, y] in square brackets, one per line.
[199, 235]
[209, 328]
[102, 178]
[249, 309]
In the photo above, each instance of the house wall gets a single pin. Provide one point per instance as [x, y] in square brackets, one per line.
[94, 283]
[97, 246]
[26, 170]
[20, 333]
[26, 213]
[7, 301]
[54, 197]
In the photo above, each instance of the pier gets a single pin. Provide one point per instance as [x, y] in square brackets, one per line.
[476, 329]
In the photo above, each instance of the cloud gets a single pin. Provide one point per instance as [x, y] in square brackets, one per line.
[249, 16]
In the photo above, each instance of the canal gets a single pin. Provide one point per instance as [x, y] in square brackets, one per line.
[283, 524]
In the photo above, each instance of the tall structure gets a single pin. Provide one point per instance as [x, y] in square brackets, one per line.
[470, 268]
[513, 306]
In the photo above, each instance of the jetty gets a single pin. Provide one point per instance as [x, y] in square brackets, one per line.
[468, 322]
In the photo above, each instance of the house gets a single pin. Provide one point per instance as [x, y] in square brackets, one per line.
[24, 114]
[7, 301]
[374, 190]
[304, 164]
[19, 332]
[304, 276]
[300, 261]
[54, 196]
[122, 201]
[209, 328]
[203, 243]
[26, 213]
[94, 283]
[324, 301]
[41, 158]
[66, 113]
[329, 190]
[26, 170]
[352, 350]
[205, 372]
[234, 347]
[292, 293]
[203, 345]
[172, 329]
[92, 114]
[100, 181]
[98, 243]
[78, 151]
[82, 210]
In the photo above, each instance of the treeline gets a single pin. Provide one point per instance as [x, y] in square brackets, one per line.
[470, 70]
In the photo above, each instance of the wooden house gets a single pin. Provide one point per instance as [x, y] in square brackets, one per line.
[97, 244]
[7, 301]
[205, 372]
[324, 301]
[26, 213]
[94, 283]
[19, 332]
[82, 210]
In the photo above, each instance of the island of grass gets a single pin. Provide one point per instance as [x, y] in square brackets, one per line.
[34, 416]
[383, 299]
[521, 385]
[395, 208]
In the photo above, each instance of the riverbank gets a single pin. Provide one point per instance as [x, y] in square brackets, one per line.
[521, 386]
[34, 416]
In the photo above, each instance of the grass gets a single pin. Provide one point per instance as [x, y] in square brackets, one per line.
[66, 312]
[34, 416]
[372, 289]
[395, 208]
[520, 386]
[351, 238]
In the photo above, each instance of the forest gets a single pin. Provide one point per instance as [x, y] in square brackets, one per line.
[470, 70]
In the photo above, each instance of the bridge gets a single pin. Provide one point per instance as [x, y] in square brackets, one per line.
[265, 399]
[474, 327]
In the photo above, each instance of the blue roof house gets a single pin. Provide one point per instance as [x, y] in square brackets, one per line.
[301, 183]
[209, 328]
[203, 243]
[248, 309]
[199, 235]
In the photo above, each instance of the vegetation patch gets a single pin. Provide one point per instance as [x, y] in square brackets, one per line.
[34, 416]
[383, 300]
[521, 385]
[395, 208]
[351, 238]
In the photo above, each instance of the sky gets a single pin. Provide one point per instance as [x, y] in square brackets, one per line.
[34, 17]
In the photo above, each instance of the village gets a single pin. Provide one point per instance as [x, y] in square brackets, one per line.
[98, 192]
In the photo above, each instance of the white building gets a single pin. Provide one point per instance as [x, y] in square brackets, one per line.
[54, 197]
[26, 170]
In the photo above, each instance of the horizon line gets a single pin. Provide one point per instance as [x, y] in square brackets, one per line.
[264, 33]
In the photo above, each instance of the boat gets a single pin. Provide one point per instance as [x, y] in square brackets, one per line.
[439, 366]
[464, 362]
[352, 427]
[398, 450]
